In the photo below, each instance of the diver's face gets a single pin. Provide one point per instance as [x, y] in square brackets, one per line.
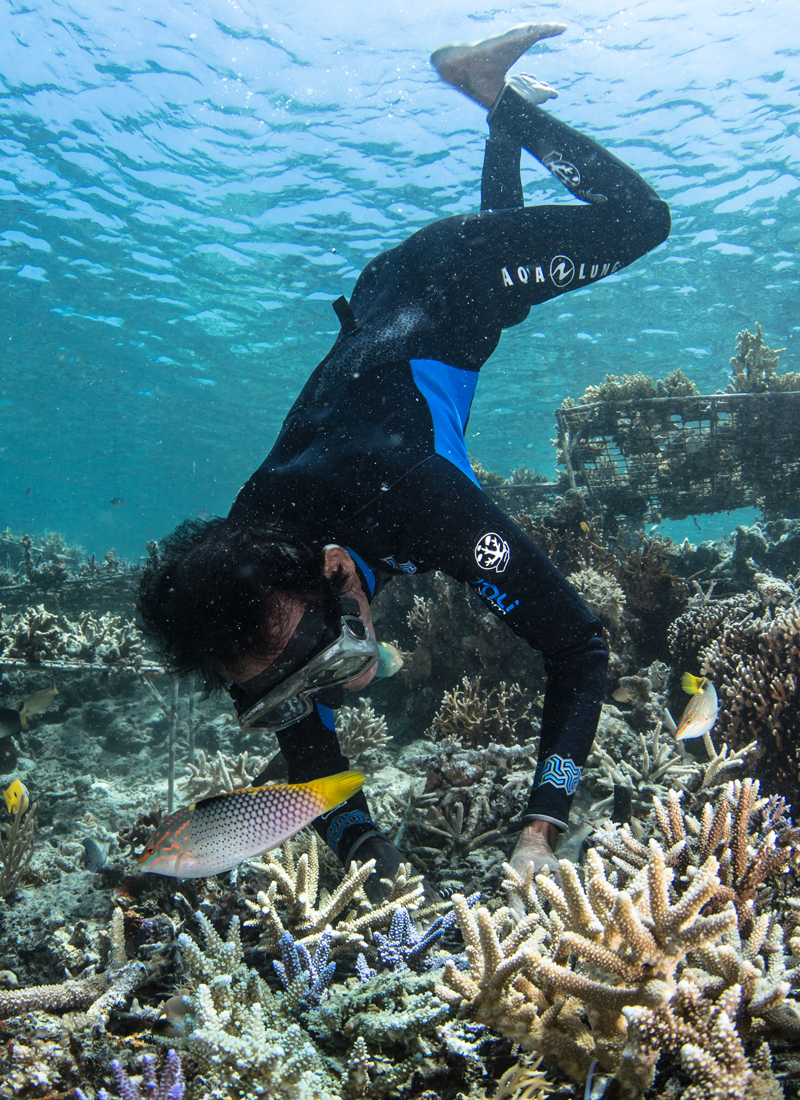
[335, 558]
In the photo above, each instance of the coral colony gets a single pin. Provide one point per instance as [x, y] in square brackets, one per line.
[661, 959]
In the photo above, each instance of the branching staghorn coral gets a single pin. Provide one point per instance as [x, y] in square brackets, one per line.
[635, 385]
[394, 1007]
[558, 981]
[749, 835]
[169, 1085]
[703, 1033]
[291, 901]
[220, 773]
[360, 729]
[657, 768]
[524, 1081]
[471, 715]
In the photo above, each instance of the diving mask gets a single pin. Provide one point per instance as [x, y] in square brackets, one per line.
[282, 694]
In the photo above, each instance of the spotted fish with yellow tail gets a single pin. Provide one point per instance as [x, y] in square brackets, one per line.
[215, 834]
[702, 709]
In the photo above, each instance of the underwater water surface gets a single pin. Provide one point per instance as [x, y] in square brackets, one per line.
[186, 187]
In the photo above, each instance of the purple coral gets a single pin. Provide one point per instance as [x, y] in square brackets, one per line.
[301, 974]
[405, 949]
[170, 1086]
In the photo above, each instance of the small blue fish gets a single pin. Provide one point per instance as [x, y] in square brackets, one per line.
[95, 853]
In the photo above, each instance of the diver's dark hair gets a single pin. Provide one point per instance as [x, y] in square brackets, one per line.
[215, 592]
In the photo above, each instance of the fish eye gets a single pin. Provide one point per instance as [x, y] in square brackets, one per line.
[149, 851]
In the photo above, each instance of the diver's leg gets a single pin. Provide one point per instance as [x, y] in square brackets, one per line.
[478, 69]
[582, 165]
[501, 186]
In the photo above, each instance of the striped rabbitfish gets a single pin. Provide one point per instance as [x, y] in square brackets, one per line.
[215, 834]
[702, 709]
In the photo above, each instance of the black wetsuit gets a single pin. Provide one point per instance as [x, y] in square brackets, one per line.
[372, 453]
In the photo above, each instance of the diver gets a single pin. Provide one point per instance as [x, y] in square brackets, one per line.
[369, 477]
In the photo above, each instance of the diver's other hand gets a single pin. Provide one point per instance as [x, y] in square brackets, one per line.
[478, 69]
[536, 848]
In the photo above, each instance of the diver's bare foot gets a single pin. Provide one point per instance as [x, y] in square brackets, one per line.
[478, 69]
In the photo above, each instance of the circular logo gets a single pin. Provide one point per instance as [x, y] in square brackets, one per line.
[562, 270]
[492, 552]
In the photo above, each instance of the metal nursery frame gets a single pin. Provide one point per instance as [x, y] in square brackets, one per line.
[672, 457]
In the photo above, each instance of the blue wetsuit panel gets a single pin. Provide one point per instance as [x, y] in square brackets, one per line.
[448, 392]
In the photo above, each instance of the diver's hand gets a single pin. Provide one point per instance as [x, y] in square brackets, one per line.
[535, 848]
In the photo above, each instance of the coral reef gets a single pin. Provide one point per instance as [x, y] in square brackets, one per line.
[37, 635]
[671, 953]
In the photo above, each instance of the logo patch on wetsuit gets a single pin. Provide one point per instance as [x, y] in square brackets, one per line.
[558, 772]
[567, 173]
[562, 270]
[492, 552]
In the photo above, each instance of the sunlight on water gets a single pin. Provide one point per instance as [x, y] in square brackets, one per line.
[185, 192]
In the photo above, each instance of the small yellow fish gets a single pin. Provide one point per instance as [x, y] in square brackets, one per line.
[215, 834]
[37, 702]
[15, 794]
[584, 526]
[622, 695]
[702, 709]
[390, 659]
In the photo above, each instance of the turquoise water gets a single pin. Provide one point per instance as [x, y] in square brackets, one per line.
[186, 187]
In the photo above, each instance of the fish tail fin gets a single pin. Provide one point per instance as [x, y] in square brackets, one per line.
[692, 684]
[333, 790]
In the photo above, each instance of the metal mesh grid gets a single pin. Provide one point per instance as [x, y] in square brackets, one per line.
[673, 457]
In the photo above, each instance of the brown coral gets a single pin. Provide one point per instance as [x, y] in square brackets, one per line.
[471, 715]
[755, 666]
